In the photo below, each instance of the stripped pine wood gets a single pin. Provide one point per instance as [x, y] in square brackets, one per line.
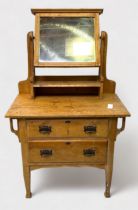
[61, 120]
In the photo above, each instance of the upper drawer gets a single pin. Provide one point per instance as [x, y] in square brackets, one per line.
[46, 128]
[88, 128]
[67, 128]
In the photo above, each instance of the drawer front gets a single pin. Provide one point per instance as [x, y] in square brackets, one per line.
[46, 128]
[88, 128]
[67, 128]
[73, 151]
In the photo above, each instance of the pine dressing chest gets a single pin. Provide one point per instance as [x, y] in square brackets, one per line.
[67, 120]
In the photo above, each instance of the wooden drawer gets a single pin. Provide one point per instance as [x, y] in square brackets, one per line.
[67, 128]
[88, 128]
[73, 151]
[39, 128]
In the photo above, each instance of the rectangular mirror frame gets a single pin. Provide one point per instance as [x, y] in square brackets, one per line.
[37, 63]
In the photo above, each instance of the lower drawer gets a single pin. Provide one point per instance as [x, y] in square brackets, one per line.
[63, 151]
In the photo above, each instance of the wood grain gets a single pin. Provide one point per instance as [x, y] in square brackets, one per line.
[67, 84]
[35, 11]
[67, 128]
[66, 106]
[71, 151]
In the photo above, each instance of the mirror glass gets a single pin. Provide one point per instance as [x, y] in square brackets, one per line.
[67, 39]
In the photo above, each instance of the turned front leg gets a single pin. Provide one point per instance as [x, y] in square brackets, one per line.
[109, 168]
[108, 180]
[110, 156]
[27, 180]
[25, 155]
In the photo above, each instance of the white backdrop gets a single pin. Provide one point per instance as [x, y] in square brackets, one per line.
[70, 188]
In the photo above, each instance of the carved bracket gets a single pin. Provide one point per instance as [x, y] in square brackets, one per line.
[12, 127]
[119, 130]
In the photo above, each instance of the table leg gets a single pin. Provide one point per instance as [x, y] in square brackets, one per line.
[27, 180]
[110, 156]
[108, 175]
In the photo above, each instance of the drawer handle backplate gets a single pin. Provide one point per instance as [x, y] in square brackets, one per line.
[44, 129]
[90, 129]
[46, 152]
[89, 152]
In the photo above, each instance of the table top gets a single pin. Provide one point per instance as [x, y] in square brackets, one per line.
[67, 106]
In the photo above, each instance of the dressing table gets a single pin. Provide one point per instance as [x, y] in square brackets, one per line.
[67, 120]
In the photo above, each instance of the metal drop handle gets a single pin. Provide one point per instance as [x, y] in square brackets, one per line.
[89, 152]
[90, 129]
[44, 129]
[46, 152]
